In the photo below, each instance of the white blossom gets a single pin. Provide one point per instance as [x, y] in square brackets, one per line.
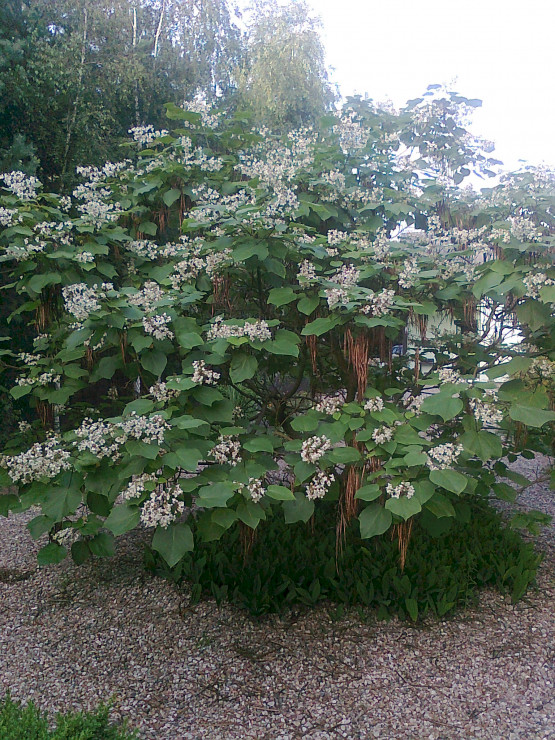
[136, 487]
[160, 392]
[409, 274]
[227, 450]
[404, 488]
[374, 404]
[255, 331]
[329, 405]
[307, 272]
[204, 375]
[256, 489]
[443, 456]
[314, 447]
[450, 375]
[157, 326]
[380, 303]
[319, 485]
[383, 434]
[42, 460]
[23, 186]
[485, 412]
[162, 507]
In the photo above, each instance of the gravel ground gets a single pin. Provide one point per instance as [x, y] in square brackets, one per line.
[71, 637]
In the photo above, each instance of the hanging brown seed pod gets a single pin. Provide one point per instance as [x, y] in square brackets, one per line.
[247, 537]
[311, 342]
[403, 532]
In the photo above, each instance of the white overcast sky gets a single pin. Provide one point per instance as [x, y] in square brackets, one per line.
[501, 51]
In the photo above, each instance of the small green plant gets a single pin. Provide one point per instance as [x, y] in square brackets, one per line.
[27, 722]
[290, 566]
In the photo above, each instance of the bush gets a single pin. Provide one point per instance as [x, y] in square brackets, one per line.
[26, 722]
[291, 566]
[390, 334]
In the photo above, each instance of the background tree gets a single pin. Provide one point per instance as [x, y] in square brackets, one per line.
[284, 78]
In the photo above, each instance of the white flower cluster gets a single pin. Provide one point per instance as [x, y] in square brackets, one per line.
[145, 134]
[256, 489]
[336, 237]
[157, 326]
[136, 487]
[227, 450]
[66, 537]
[380, 303]
[487, 413]
[319, 485]
[347, 277]
[84, 257]
[524, 229]
[148, 429]
[414, 403]
[329, 405]
[443, 456]
[381, 246]
[203, 375]
[188, 269]
[383, 434]
[143, 248]
[96, 437]
[147, 296]
[94, 195]
[200, 105]
[314, 448]
[42, 460]
[542, 366]
[160, 392]
[81, 300]
[162, 507]
[534, 282]
[23, 186]
[352, 136]
[42, 379]
[409, 274]
[404, 488]
[255, 331]
[374, 404]
[307, 272]
[449, 375]
[23, 251]
[9, 216]
[335, 179]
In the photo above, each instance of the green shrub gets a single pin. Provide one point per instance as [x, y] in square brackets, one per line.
[292, 565]
[26, 722]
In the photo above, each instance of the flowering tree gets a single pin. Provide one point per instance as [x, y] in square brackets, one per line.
[231, 327]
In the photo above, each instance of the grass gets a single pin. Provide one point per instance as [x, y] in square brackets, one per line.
[27, 722]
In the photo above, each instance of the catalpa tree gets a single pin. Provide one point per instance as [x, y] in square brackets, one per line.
[232, 326]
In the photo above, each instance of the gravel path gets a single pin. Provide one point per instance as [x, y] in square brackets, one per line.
[75, 636]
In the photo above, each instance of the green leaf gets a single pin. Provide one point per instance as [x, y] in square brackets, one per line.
[320, 326]
[403, 506]
[449, 479]
[154, 362]
[281, 296]
[343, 455]
[259, 444]
[374, 520]
[305, 423]
[284, 343]
[61, 502]
[412, 608]
[242, 367]
[440, 506]
[534, 314]
[250, 513]
[280, 493]
[102, 545]
[443, 405]
[505, 492]
[485, 445]
[173, 542]
[39, 525]
[299, 510]
[140, 406]
[369, 492]
[170, 196]
[532, 417]
[249, 249]
[38, 282]
[215, 495]
[308, 305]
[51, 553]
[147, 227]
[123, 518]
[142, 449]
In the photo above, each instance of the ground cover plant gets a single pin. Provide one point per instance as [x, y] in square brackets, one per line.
[233, 326]
[26, 722]
[298, 566]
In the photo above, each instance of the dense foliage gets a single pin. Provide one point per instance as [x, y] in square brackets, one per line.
[444, 571]
[26, 722]
[231, 326]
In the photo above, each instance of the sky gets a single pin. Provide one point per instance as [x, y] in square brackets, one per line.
[501, 51]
